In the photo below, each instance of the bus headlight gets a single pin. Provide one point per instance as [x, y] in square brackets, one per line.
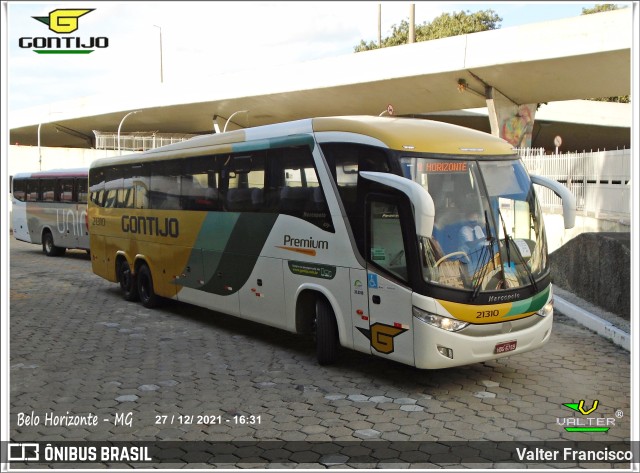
[547, 309]
[445, 323]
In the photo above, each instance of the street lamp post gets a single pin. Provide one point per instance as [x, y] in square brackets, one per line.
[161, 73]
[232, 115]
[39, 148]
[120, 126]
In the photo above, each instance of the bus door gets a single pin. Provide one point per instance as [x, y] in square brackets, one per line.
[82, 195]
[389, 292]
[19, 210]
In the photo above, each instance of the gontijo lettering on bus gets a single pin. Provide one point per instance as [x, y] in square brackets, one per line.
[153, 226]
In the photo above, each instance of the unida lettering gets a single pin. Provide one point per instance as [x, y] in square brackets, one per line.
[152, 226]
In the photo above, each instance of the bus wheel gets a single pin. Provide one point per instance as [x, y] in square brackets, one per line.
[49, 248]
[327, 342]
[147, 295]
[127, 281]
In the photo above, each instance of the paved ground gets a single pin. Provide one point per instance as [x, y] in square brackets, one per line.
[77, 346]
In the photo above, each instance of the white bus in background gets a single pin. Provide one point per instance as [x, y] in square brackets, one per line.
[49, 208]
[416, 241]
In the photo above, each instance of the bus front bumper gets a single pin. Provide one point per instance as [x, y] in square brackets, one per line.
[435, 348]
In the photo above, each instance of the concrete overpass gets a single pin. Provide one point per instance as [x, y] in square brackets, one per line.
[506, 70]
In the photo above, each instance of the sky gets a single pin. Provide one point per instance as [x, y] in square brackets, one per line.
[203, 39]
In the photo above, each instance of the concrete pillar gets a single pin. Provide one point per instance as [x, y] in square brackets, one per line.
[510, 121]
[216, 124]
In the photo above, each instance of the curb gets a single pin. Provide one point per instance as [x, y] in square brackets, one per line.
[593, 322]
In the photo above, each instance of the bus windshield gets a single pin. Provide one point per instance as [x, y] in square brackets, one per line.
[488, 231]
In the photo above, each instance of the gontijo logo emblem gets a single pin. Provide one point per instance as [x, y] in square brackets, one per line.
[63, 22]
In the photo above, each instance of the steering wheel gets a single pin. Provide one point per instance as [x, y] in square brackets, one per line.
[450, 255]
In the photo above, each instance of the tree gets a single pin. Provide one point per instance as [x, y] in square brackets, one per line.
[597, 9]
[445, 25]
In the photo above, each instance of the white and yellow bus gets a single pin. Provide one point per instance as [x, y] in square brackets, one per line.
[413, 240]
[50, 208]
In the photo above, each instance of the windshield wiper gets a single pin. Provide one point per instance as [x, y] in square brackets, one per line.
[483, 261]
[508, 238]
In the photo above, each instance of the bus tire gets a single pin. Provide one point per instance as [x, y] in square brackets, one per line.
[327, 341]
[128, 283]
[147, 295]
[48, 246]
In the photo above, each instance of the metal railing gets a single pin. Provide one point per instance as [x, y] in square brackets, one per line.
[600, 180]
[137, 141]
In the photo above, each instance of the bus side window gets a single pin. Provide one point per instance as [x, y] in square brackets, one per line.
[294, 188]
[48, 188]
[81, 190]
[96, 191]
[65, 190]
[113, 187]
[345, 160]
[386, 245]
[139, 175]
[245, 183]
[199, 183]
[164, 185]
[33, 193]
[19, 189]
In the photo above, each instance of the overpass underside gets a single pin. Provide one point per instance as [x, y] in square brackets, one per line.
[510, 71]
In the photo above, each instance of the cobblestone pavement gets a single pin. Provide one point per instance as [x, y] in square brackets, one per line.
[78, 347]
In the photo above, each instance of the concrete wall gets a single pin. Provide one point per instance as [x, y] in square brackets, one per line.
[30, 159]
[596, 267]
[557, 235]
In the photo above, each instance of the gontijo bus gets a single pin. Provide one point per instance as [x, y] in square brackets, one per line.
[355, 229]
[50, 208]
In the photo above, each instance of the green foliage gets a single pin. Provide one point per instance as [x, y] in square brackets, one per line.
[445, 25]
[600, 8]
[619, 99]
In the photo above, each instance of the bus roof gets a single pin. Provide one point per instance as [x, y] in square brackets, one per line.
[420, 135]
[403, 134]
[53, 173]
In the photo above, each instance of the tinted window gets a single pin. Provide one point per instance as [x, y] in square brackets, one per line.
[81, 186]
[345, 160]
[245, 184]
[32, 191]
[199, 183]
[114, 188]
[47, 189]
[96, 190]
[19, 189]
[294, 186]
[386, 244]
[65, 190]
[138, 178]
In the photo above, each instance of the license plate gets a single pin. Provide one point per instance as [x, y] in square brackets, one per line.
[506, 346]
